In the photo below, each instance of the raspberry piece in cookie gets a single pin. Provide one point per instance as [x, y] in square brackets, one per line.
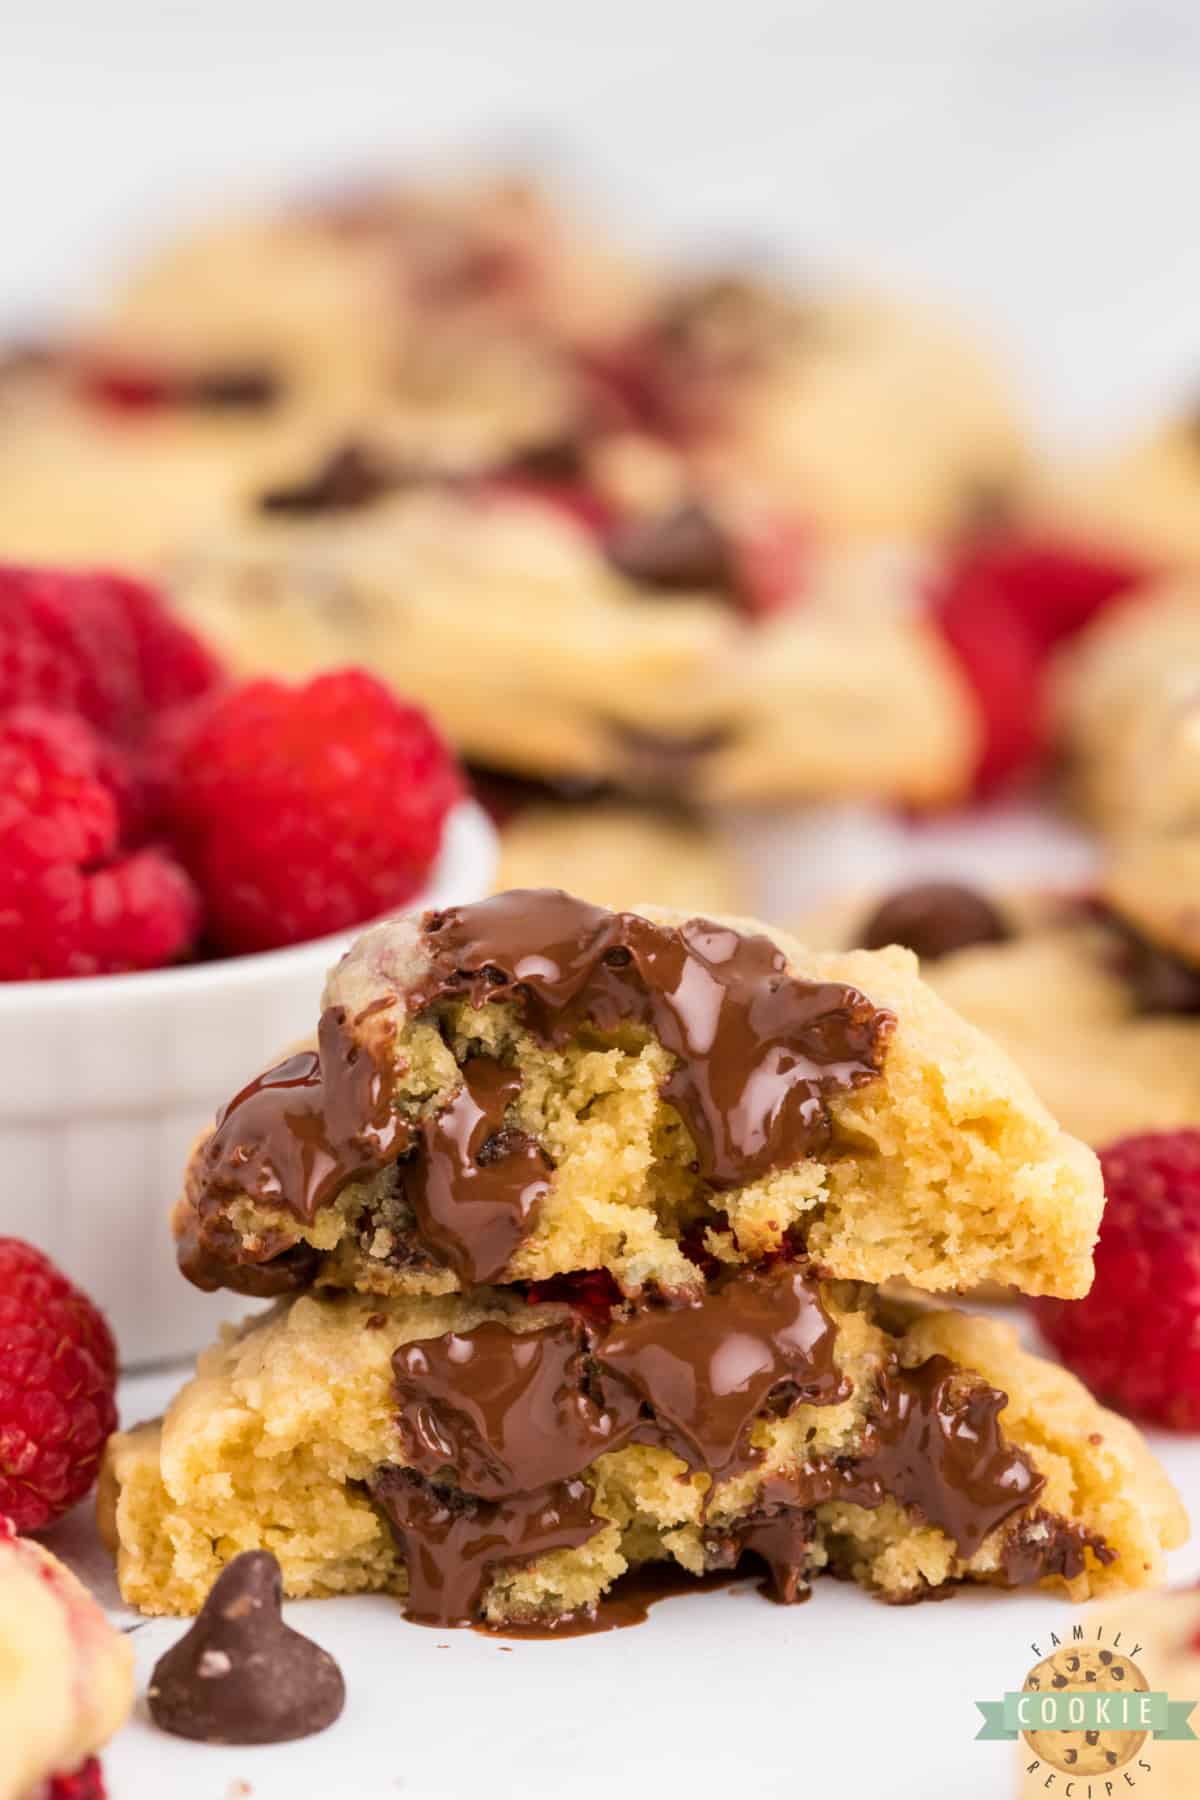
[303, 810]
[1135, 1338]
[68, 1677]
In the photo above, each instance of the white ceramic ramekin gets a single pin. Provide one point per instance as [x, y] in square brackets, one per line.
[104, 1084]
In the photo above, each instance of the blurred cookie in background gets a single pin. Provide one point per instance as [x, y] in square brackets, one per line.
[1101, 1015]
[867, 415]
[1142, 497]
[613, 851]
[705, 651]
[466, 307]
[1126, 702]
[119, 464]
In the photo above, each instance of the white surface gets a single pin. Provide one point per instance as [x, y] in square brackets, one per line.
[1029, 159]
[718, 1696]
[105, 1084]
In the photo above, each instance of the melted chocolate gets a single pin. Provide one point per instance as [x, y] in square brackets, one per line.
[240, 1675]
[705, 1371]
[759, 1051]
[683, 551]
[1044, 1544]
[352, 477]
[934, 918]
[1161, 983]
[504, 1411]
[290, 1140]
[938, 1449]
[933, 1443]
[512, 1417]
[475, 1180]
[627, 1603]
[452, 1542]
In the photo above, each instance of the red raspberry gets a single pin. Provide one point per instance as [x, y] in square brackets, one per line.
[1135, 1339]
[1055, 589]
[87, 1783]
[772, 560]
[580, 503]
[1001, 664]
[1003, 607]
[305, 810]
[99, 645]
[58, 1374]
[592, 1292]
[54, 805]
[65, 907]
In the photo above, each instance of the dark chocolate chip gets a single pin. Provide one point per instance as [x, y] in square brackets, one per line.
[934, 918]
[683, 551]
[240, 1675]
[1161, 983]
[246, 389]
[352, 477]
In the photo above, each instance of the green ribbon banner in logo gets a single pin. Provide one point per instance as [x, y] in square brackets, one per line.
[1084, 1709]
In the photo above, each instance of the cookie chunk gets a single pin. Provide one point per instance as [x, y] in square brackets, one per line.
[532, 1086]
[67, 1675]
[1097, 1001]
[503, 1457]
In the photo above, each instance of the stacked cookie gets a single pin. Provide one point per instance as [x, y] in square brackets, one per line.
[578, 1222]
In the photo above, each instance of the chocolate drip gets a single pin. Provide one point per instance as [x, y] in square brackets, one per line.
[1044, 1544]
[934, 918]
[452, 1542]
[938, 1448]
[683, 551]
[475, 1181]
[759, 1051]
[782, 1537]
[291, 1139]
[503, 1411]
[705, 1371]
[933, 1444]
[352, 477]
[511, 1416]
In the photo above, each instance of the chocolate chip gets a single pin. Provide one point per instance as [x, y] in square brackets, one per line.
[352, 477]
[934, 918]
[240, 1675]
[234, 389]
[682, 551]
[558, 459]
[1161, 983]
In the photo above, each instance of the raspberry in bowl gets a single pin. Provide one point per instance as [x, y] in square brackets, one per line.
[181, 860]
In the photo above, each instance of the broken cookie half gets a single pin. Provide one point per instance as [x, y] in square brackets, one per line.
[577, 1219]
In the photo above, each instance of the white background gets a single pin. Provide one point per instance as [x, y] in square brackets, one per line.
[1035, 160]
